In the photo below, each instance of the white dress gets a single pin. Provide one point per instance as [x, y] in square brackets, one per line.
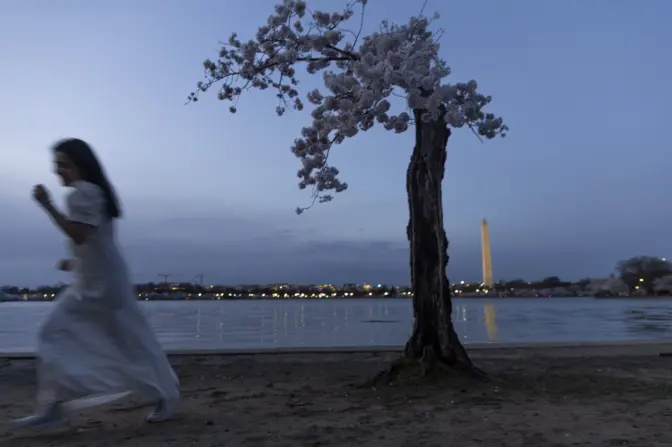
[97, 344]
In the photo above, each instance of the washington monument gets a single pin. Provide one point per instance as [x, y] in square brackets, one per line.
[485, 255]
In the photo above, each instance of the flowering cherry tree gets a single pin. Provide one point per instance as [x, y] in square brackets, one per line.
[364, 77]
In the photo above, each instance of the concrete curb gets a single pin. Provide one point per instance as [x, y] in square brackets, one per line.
[661, 345]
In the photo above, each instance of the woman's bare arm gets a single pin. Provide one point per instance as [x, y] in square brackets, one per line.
[74, 230]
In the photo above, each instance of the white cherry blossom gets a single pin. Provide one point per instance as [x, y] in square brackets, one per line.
[361, 74]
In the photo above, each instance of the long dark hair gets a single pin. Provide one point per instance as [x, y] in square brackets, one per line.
[82, 156]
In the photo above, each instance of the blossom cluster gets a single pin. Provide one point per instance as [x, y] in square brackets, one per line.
[361, 74]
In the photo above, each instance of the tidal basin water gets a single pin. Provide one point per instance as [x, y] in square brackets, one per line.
[270, 324]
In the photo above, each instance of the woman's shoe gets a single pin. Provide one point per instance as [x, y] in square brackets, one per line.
[49, 418]
[162, 412]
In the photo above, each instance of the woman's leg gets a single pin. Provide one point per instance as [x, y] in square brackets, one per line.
[157, 379]
[49, 416]
[162, 412]
[49, 410]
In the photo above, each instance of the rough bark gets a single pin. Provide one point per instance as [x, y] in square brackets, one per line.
[433, 338]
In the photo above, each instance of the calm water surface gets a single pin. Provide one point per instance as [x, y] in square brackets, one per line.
[361, 322]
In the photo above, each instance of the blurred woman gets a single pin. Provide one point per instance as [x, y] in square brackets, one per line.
[97, 345]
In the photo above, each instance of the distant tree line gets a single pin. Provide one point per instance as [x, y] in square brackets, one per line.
[650, 274]
[44, 289]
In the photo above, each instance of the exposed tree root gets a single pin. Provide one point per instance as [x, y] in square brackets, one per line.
[426, 367]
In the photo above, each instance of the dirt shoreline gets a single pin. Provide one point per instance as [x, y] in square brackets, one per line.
[544, 397]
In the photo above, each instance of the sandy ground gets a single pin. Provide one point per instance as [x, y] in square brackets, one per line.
[537, 398]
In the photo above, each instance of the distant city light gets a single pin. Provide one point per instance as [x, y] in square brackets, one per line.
[460, 289]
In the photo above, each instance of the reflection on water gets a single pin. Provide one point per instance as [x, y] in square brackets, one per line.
[377, 322]
[490, 324]
[649, 319]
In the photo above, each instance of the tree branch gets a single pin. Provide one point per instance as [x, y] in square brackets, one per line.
[360, 76]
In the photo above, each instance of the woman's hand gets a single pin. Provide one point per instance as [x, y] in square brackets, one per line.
[64, 265]
[41, 195]
[74, 230]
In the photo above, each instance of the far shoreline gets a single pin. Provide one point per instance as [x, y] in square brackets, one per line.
[386, 298]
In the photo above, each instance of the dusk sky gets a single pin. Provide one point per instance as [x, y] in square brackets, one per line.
[582, 180]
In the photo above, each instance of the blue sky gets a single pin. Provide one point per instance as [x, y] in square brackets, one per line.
[582, 180]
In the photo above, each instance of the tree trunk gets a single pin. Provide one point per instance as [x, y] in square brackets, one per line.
[433, 336]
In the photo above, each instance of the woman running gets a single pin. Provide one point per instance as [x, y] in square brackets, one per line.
[97, 345]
